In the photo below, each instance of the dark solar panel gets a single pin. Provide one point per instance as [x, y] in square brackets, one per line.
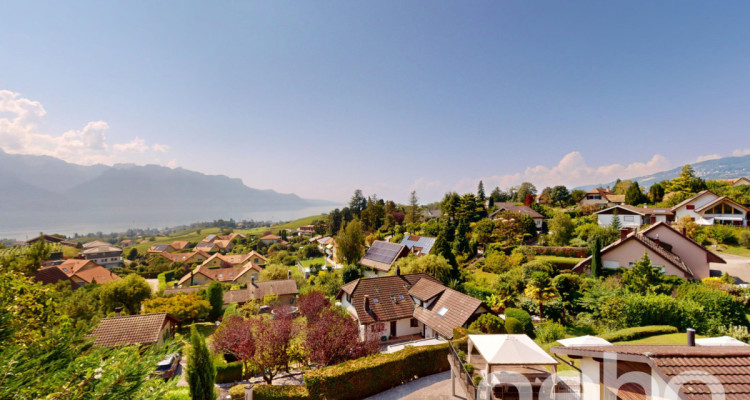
[383, 252]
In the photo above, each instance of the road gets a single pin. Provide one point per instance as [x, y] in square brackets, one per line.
[433, 387]
[737, 266]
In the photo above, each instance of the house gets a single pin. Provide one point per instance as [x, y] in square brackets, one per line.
[95, 243]
[381, 255]
[235, 260]
[520, 209]
[194, 257]
[284, 289]
[272, 239]
[224, 245]
[307, 230]
[736, 181]
[418, 245]
[180, 245]
[672, 251]
[632, 216]
[209, 239]
[431, 214]
[97, 274]
[71, 266]
[207, 247]
[203, 275]
[230, 236]
[52, 275]
[146, 329]
[104, 254]
[601, 197]
[404, 305]
[328, 246]
[127, 242]
[50, 239]
[640, 372]
[708, 208]
[159, 248]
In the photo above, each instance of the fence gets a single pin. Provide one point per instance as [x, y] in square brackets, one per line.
[458, 370]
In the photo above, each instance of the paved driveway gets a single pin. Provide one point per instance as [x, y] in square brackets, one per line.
[431, 387]
[154, 283]
[737, 266]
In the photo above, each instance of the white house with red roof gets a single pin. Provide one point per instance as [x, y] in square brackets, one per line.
[708, 208]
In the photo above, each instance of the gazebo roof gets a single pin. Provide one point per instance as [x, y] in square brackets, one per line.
[587, 340]
[511, 350]
[720, 341]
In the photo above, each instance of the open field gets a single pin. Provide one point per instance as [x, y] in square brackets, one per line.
[735, 250]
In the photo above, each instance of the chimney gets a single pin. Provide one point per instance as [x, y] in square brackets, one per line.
[691, 337]
[118, 311]
[289, 274]
[398, 270]
[684, 231]
[367, 303]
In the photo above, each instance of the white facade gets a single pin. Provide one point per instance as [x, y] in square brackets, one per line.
[707, 217]
[626, 221]
[688, 209]
[592, 387]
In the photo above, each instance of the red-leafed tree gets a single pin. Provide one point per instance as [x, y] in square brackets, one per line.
[236, 336]
[311, 304]
[272, 340]
[334, 337]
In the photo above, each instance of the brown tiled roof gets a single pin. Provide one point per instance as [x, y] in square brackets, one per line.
[730, 365]
[223, 244]
[205, 246]
[259, 289]
[512, 207]
[71, 266]
[183, 256]
[52, 275]
[458, 308]
[100, 274]
[271, 237]
[382, 288]
[615, 198]
[180, 244]
[426, 289]
[130, 329]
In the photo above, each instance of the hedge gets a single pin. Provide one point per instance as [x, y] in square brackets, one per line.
[229, 372]
[278, 392]
[373, 374]
[638, 333]
[477, 292]
[580, 252]
[523, 317]
[164, 277]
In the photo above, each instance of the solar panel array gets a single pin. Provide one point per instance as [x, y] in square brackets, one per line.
[383, 252]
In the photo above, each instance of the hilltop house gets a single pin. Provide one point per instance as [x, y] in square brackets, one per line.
[672, 251]
[601, 197]
[708, 208]
[521, 209]
[405, 305]
[235, 260]
[306, 230]
[634, 217]
[145, 329]
[272, 239]
[82, 272]
[380, 257]
[418, 245]
[203, 275]
[50, 239]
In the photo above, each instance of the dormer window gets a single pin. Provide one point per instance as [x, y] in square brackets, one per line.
[375, 300]
[443, 311]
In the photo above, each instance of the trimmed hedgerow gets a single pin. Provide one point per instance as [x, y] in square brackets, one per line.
[373, 374]
[638, 333]
[523, 317]
[279, 392]
[229, 372]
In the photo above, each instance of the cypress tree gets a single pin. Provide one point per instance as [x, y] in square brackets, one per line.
[596, 258]
[216, 299]
[201, 371]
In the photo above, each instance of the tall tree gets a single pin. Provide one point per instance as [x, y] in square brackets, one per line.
[559, 195]
[540, 288]
[334, 222]
[235, 336]
[498, 195]
[215, 294]
[634, 195]
[480, 193]
[615, 225]
[442, 247]
[449, 205]
[596, 258]
[273, 338]
[686, 182]
[656, 192]
[127, 292]
[350, 241]
[201, 371]
[561, 229]
[413, 215]
[461, 243]
[358, 202]
[525, 189]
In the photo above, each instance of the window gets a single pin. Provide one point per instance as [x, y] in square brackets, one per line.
[443, 311]
[375, 300]
[629, 218]
[401, 296]
[414, 323]
[690, 207]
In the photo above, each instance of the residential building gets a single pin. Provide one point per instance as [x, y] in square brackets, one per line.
[672, 251]
[633, 217]
[146, 329]
[285, 291]
[224, 245]
[405, 305]
[193, 257]
[307, 230]
[736, 181]
[601, 197]
[180, 245]
[72, 266]
[203, 275]
[127, 242]
[49, 239]
[51, 275]
[235, 260]
[272, 239]
[640, 372]
[380, 257]
[708, 208]
[99, 275]
[159, 248]
[418, 245]
[521, 209]
[207, 247]
[104, 254]
[431, 214]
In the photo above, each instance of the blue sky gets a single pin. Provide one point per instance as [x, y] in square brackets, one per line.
[321, 98]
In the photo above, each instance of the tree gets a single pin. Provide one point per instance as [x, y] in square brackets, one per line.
[449, 205]
[350, 272]
[634, 195]
[498, 195]
[333, 337]
[357, 203]
[185, 307]
[526, 188]
[350, 241]
[540, 289]
[461, 243]
[483, 231]
[312, 303]
[480, 193]
[686, 182]
[273, 338]
[596, 258]
[216, 299]
[615, 225]
[442, 247]
[235, 336]
[577, 195]
[559, 195]
[201, 371]
[434, 265]
[561, 229]
[334, 222]
[687, 223]
[132, 254]
[656, 192]
[413, 215]
[127, 292]
[642, 277]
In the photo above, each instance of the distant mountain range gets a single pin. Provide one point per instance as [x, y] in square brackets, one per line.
[722, 168]
[42, 191]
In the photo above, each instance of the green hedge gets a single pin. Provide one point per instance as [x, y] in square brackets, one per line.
[278, 392]
[523, 317]
[229, 372]
[477, 292]
[373, 374]
[638, 333]
[164, 277]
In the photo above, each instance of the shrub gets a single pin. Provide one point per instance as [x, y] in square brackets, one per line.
[488, 323]
[740, 333]
[469, 368]
[462, 355]
[373, 374]
[745, 238]
[513, 326]
[718, 308]
[523, 317]
[229, 372]
[477, 292]
[237, 392]
[638, 333]
[722, 234]
[549, 332]
[477, 380]
[279, 392]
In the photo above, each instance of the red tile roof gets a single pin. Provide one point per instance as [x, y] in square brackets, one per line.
[259, 289]
[452, 309]
[51, 275]
[71, 266]
[98, 274]
[130, 329]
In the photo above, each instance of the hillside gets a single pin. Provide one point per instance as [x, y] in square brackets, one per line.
[723, 168]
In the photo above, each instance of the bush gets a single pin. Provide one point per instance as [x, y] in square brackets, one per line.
[513, 326]
[488, 323]
[279, 392]
[237, 392]
[229, 372]
[722, 234]
[523, 317]
[745, 238]
[373, 374]
[740, 333]
[469, 368]
[717, 308]
[477, 292]
[549, 332]
[477, 380]
[638, 333]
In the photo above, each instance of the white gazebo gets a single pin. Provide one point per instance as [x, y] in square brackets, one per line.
[720, 341]
[587, 340]
[501, 351]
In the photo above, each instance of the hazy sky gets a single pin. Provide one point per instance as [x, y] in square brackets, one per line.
[320, 98]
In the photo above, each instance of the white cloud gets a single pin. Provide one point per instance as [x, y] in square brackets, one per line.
[19, 134]
[741, 152]
[708, 157]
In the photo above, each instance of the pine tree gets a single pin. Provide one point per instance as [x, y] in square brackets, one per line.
[596, 258]
[480, 192]
[201, 371]
[615, 225]
[216, 299]
[634, 195]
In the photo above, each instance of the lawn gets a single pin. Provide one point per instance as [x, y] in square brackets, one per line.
[178, 393]
[735, 250]
[572, 261]
[670, 338]
[310, 261]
